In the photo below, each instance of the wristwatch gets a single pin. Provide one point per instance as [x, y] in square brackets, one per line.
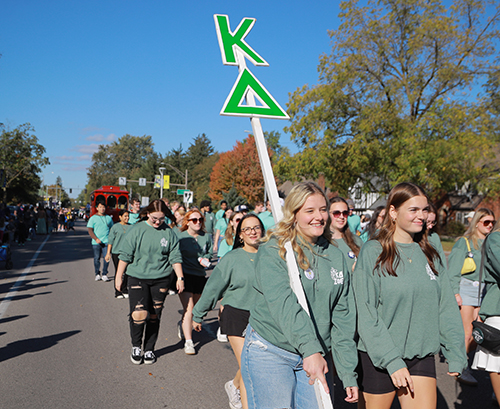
[180, 278]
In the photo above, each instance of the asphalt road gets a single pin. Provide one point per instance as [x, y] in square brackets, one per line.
[64, 343]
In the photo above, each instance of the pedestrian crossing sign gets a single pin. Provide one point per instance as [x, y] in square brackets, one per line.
[265, 105]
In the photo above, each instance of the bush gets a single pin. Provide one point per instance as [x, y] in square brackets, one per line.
[454, 229]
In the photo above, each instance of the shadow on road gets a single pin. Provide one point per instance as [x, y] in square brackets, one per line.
[15, 349]
[14, 318]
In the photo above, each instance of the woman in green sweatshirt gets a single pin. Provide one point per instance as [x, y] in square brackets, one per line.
[406, 309]
[284, 348]
[150, 254]
[490, 307]
[196, 250]
[465, 286]
[232, 281]
[348, 243]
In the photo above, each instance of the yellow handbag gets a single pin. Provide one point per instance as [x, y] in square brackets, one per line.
[469, 263]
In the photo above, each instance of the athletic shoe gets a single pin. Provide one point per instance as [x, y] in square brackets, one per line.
[233, 395]
[189, 347]
[125, 295]
[466, 378]
[119, 296]
[136, 356]
[221, 337]
[97, 277]
[149, 357]
[180, 332]
[105, 278]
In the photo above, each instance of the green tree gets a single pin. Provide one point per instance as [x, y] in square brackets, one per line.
[22, 158]
[122, 158]
[395, 98]
[233, 199]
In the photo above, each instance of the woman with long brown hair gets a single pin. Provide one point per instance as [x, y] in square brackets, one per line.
[226, 245]
[406, 309]
[465, 285]
[152, 258]
[348, 243]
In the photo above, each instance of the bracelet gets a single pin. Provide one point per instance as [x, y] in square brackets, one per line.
[180, 278]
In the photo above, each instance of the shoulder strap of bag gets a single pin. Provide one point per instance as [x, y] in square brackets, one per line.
[481, 266]
[468, 245]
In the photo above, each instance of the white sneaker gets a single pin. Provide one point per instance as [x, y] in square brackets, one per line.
[125, 295]
[466, 378]
[221, 337]
[97, 277]
[189, 347]
[233, 395]
[105, 278]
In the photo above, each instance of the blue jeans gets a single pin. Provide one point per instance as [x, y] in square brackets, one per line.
[98, 251]
[273, 377]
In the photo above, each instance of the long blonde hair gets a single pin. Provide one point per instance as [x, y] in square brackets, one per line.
[471, 232]
[285, 229]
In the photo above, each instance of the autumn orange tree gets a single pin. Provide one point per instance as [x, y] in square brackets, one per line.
[240, 168]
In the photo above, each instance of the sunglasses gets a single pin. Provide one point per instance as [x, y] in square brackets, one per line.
[196, 220]
[486, 223]
[337, 213]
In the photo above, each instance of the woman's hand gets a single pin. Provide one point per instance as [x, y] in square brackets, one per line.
[197, 326]
[107, 258]
[454, 374]
[180, 286]
[316, 367]
[459, 299]
[402, 379]
[352, 394]
[118, 282]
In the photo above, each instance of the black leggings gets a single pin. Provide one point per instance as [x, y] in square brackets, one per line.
[147, 295]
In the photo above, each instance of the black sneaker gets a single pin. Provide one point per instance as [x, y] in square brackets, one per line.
[149, 357]
[136, 356]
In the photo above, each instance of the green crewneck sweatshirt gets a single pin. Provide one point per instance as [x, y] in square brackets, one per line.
[191, 249]
[117, 236]
[456, 261]
[408, 316]
[277, 316]
[349, 255]
[150, 252]
[232, 281]
[490, 306]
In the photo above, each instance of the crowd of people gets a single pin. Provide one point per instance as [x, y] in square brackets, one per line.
[22, 223]
[383, 299]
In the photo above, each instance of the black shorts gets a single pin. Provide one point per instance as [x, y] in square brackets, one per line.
[194, 284]
[233, 321]
[378, 381]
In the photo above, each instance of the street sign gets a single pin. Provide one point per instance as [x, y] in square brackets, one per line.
[188, 196]
[142, 181]
[122, 181]
[157, 182]
[166, 182]
[180, 192]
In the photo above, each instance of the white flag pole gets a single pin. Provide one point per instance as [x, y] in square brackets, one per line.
[324, 400]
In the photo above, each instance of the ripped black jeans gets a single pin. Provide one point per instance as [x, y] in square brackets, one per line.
[146, 298]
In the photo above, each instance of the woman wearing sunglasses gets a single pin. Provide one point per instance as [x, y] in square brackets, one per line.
[150, 253]
[465, 286]
[232, 281]
[196, 247]
[348, 243]
[226, 245]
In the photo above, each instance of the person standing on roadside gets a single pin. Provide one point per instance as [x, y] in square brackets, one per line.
[135, 209]
[354, 221]
[220, 213]
[98, 227]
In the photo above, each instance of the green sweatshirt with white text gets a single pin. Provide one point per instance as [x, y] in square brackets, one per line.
[278, 317]
[150, 252]
[409, 316]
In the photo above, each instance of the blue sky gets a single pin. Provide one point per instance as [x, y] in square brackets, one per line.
[85, 73]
